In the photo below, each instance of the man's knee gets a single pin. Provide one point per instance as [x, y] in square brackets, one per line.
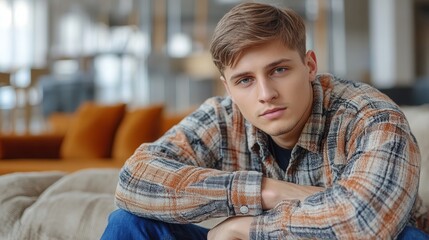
[122, 217]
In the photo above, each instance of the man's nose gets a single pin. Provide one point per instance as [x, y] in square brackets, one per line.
[266, 90]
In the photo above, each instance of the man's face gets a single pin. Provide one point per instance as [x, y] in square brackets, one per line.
[271, 85]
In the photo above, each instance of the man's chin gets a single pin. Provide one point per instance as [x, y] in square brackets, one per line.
[276, 132]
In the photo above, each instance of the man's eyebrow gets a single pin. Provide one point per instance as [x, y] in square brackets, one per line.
[275, 63]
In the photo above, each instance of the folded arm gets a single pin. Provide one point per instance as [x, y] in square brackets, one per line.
[179, 178]
[272, 193]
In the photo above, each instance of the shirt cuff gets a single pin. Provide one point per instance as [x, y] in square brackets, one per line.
[273, 224]
[245, 193]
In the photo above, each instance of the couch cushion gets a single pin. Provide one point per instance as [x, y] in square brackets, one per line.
[75, 206]
[18, 192]
[92, 131]
[138, 126]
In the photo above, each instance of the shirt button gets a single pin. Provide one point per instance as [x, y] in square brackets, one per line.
[244, 209]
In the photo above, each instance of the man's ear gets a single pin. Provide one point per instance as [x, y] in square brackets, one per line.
[311, 63]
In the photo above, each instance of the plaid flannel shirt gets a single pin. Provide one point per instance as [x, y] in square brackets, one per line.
[356, 143]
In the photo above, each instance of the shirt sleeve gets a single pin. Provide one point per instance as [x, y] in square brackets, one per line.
[179, 178]
[373, 198]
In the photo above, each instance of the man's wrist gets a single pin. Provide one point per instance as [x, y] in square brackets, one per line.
[232, 228]
[270, 196]
[240, 227]
[274, 191]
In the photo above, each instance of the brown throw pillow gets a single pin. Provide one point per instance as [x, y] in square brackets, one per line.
[92, 131]
[139, 126]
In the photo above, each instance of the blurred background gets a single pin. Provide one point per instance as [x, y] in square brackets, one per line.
[55, 54]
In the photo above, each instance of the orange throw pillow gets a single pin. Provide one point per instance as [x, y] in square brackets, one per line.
[58, 123]
[139, 126]
[92, 131]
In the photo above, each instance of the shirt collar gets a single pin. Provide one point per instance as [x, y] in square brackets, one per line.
[256, 138]
[312, 133]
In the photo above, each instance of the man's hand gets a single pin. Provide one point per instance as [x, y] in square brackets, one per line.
[275, 191]
[234, 228]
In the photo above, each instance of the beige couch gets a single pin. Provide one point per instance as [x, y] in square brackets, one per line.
[57, 205]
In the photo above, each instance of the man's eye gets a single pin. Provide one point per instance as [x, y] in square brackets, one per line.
[280, 70]
[244, 81]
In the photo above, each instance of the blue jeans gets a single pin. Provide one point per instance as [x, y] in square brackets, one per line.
[412, 233]
[124, 225]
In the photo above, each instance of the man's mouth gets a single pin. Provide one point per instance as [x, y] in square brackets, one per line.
[273, 113]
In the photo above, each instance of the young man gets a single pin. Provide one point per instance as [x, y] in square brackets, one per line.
[289, 154]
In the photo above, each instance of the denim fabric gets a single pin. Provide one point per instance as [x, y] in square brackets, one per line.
[124, 225]
[412, 233]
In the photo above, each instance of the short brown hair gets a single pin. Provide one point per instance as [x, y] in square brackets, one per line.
[252, 24]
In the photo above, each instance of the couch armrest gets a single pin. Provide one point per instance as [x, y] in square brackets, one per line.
[30, 146]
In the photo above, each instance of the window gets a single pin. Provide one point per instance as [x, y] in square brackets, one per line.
[23, 23]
